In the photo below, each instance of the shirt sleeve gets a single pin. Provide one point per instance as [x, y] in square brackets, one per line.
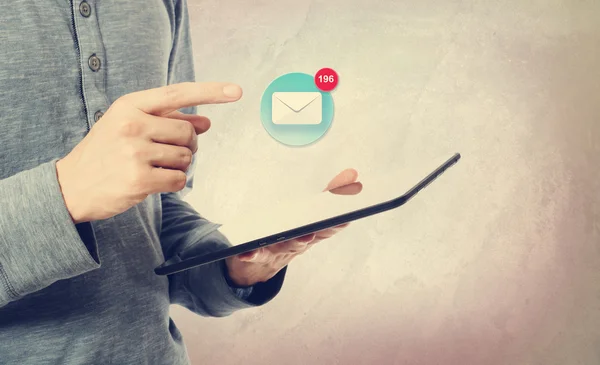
[39, 243]
[206, 289]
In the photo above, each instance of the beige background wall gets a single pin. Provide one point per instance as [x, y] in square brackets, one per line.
[498, 262]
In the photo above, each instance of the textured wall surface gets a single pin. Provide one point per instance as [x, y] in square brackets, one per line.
[498, 262]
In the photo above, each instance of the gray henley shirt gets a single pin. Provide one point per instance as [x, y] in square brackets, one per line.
[87, 294]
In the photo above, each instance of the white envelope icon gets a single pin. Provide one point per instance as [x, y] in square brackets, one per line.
[303, 108]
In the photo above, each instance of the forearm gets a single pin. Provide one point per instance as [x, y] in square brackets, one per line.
[203, 289]
[39, 243]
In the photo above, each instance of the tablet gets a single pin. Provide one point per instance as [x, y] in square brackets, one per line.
[285, 221]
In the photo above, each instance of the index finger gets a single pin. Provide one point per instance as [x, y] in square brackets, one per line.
[166, 99]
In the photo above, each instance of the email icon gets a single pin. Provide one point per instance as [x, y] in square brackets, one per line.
[297, 108]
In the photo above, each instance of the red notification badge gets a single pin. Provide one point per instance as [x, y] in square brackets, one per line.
[326, 79]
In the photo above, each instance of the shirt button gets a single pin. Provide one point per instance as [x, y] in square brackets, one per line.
[94, 63]
[85, 9]
[98, 115]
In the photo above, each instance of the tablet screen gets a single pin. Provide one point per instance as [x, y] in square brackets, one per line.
[272, 218]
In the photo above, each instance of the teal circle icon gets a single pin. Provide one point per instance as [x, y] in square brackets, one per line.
[294, 111]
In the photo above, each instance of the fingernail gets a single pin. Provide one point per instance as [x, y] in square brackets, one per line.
[232, 91]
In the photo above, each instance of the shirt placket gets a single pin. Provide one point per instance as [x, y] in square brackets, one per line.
[92, 59]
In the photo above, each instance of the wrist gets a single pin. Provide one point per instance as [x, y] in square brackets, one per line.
[231, 278]
[63, 177]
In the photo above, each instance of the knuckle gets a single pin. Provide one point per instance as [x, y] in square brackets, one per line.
[189, 131]
[135, 152]
[194, 145]
[299, 246]
[179, 181]
[131, 128]
[187, 156]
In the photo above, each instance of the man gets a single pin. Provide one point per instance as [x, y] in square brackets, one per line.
[98, 129]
